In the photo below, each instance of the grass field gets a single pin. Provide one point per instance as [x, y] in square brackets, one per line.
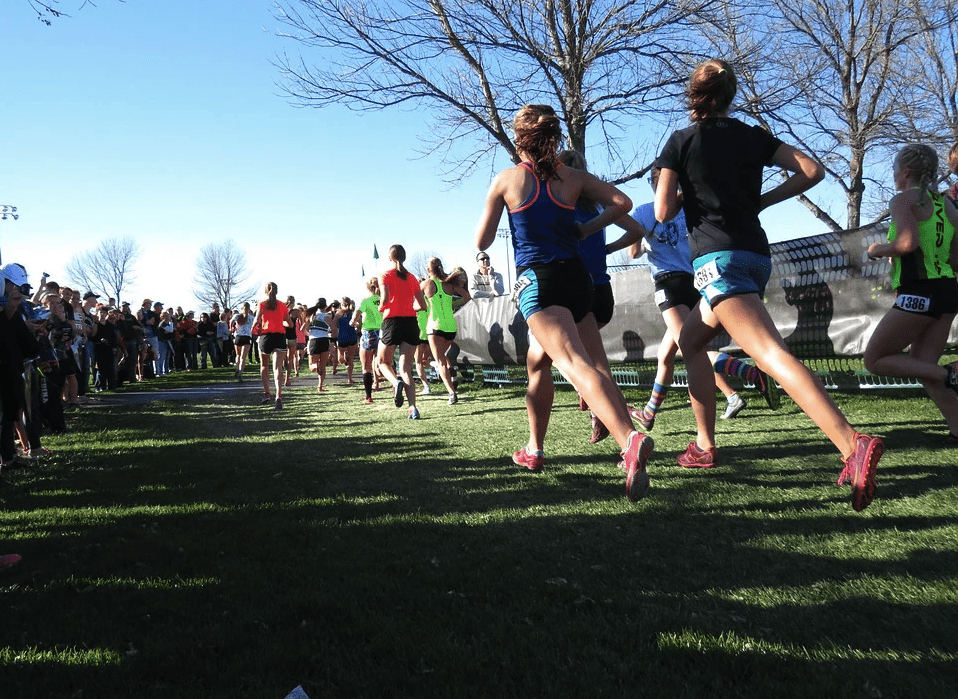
[218, 548]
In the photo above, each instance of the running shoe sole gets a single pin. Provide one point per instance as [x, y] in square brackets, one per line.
[636, 476]
[863, 476]
[399, 394]
[599, 431]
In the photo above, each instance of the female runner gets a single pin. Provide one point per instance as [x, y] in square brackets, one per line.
[348, 340]
[401, 298]
[924, 251]
[272, 320]
[370, 320]
[242, 327]
[554, 289]
[318, 345]
[440, 290]
[718, 162]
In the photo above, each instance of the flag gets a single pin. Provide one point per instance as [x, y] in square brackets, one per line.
[362, 271]
[375, 252]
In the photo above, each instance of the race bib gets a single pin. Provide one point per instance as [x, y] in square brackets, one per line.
[659, 297]
[913, 304]
[520, 285]
[706, 275]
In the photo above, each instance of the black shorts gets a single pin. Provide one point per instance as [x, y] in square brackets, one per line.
[242, 340]
[675, 289]
[290, 334]
[68, 365]
[395, 331]
[443, 334]
[317, 345]
[603, 303]
[928, 297]
[271, 342]
[347, 343]
[565, 283]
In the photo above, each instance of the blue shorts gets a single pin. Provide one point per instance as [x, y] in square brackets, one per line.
[370, 340]
[719, 275]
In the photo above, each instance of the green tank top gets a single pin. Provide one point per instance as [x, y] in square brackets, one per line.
[440, 310]
[930, 259]
[372, 318]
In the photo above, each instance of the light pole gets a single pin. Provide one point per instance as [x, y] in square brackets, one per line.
[8, 211]
[505, 234]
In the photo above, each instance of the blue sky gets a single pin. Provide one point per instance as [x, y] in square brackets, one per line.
[162, 120]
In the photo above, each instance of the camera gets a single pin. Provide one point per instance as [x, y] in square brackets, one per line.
[39, 313]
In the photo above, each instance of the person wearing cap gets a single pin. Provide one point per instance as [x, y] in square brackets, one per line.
[17, 343]
[486, 282]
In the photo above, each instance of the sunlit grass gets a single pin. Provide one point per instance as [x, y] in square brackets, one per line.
[218, 548]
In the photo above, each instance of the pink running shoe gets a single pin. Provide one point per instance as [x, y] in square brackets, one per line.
[860, 469]
[534, 461]
[698, 458]
[635, 456]
[599, 431]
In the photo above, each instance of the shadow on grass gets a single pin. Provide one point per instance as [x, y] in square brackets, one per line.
[242, 559]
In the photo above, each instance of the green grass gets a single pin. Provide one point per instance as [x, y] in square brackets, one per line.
[223, 549]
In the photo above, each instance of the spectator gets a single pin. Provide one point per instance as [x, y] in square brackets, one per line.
[486, 282]
[17, 343]
[148, 319]
[105, 342]
[188, 337]
[206, 334]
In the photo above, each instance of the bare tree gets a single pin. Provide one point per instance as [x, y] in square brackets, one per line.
[935, 62]
[107, 269]
[605, 64]
[48, 10]
[833, 76]
[418, 262]
[220, 269]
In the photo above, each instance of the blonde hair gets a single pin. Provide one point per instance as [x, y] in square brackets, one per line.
[921, 162]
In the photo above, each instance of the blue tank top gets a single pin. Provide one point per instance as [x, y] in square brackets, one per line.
[592, 249]
[543, 230]
[347, 333]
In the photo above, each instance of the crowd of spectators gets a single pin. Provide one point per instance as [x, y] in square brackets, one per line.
[58, 345]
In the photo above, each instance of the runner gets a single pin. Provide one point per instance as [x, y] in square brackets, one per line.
[272, 319]
[718, 162]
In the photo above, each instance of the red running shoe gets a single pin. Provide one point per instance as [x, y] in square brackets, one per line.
[635, 456]
[698, 458]
[535, 462]
[599, 431]
[860, 469]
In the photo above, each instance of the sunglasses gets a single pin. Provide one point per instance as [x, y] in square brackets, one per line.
[483, 259]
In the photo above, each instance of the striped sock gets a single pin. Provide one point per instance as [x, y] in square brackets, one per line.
[656, 400]
[730, 366]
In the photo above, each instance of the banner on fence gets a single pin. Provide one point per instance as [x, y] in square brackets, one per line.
[825, 297]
